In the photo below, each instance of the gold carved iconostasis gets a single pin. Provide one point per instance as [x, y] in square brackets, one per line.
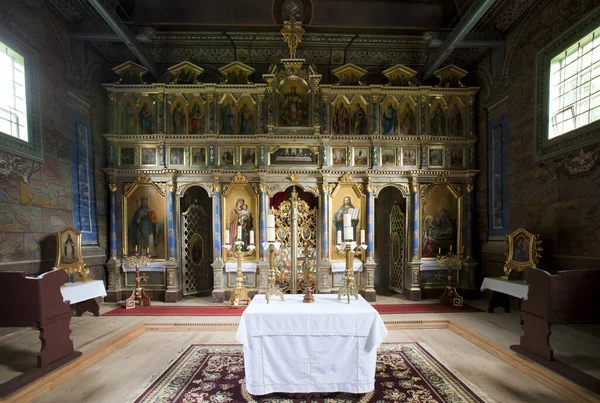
[288, 129]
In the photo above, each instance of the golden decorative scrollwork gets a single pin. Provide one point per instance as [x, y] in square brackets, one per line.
[112, 187]
[143, 178]
[470, 187]
[216, 187]
[294, 178]
[239, 178]
[292, 34]
[346, 178]
[255, 187]
[262, 187]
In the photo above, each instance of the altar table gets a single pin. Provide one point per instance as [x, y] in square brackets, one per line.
[501, 289]
[296, 347]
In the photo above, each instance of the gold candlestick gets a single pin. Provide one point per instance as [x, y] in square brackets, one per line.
[240, 292]
[349, 287]
[272, 289]
[450, 294]
[138, 293]
[308, 296]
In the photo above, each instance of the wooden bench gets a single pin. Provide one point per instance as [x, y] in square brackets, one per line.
[569, 297]
[37, 301]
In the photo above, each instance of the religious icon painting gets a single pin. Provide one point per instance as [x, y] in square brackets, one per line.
[128, 114]
[456, 158]
[339, 156]
[441, 220]
[248, 156]
[292, 156]
[144, 221]
[227, 155]
[436, 158]
[293, 103]
[345, 199]
[148, 155]
[409, 157]
[197, 115]
[361, 156]
[68, 251]
[438, 119]
[246, 115]
[240, 214]
[127, 156]
[198, 155]
[176, 156]
[146, 116]
[227, 115]
[388, 156]
[178, 116]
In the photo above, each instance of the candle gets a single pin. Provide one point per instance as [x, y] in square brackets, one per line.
[251, 237]
[136, 248]
[348, 236]
[462, 250]
[347, 220]
[450, 248]
[239, 233]
[226, 237]
[339, 237]
[440, 250]
[123, 251]
[362, 236]
[270, 234]
[270, 221]
[147, 250]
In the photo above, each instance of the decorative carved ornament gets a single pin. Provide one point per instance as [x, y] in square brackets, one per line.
[112, 187]
[292, 34]
[13, 165]
[143, 178]
[573, 164]
[239, 178]
[294, 178]
[346, 178]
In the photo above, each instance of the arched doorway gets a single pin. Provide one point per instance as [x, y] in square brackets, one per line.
[196, 241]
[305, 239]
[390, 241]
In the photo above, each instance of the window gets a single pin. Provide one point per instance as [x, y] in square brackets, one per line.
[567, 87]
[575, 86]
[13, 106]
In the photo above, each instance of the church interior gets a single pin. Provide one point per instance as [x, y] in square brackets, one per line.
[181, 179]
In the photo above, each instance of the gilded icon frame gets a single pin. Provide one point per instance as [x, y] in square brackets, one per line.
[64, 243]
[515, 259]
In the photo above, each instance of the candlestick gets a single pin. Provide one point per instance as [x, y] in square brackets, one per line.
[226, 237]
[362, 236]
[239, 233]
[339, 238]
[251, 237]
[347, 220]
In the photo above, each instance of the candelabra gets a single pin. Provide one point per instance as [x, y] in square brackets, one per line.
[272, 289]
[138, 294]
[352, 250]
[240, 292]
[450, 294]
[308, 296]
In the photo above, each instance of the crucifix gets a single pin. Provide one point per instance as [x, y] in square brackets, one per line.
[292, 34]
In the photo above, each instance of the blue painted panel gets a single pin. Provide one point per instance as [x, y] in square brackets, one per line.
[82, 170]
[498, 176]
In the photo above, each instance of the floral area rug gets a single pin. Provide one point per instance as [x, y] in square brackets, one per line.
[406, 372]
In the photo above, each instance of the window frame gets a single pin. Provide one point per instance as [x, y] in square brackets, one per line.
[32, 149]
[546, 147]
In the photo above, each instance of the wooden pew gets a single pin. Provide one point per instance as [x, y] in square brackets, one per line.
[569, 297]
[37, 302]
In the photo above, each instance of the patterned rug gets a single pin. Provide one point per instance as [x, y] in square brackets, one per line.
[383, 309]
[406, 372]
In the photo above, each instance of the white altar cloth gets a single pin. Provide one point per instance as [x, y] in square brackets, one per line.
[519, 289]
[77, 292]
[326, 346]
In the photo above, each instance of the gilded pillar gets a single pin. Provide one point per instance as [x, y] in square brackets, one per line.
[113, 221]
[370, 223]
[325, 113]
[324, 221]
[414, 289]
[263, 208]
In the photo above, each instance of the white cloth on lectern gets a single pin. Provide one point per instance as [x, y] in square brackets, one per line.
[327, 346]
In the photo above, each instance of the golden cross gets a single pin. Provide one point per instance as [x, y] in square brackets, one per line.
[292, 34]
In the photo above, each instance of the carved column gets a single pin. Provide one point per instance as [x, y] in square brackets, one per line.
[212, 156]
[270, 102]
[113, 265]
[174, 291]
[469, 221]
[325, 113]
[375, 114]
[263, 264]
[414, 291]
[218, 293]
[370, 263]
[323, 279]
[316, 103]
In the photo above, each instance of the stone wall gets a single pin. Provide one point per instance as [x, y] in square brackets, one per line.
[563, 209]
[31, 211]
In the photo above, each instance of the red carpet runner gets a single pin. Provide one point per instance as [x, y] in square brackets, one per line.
[227, 311]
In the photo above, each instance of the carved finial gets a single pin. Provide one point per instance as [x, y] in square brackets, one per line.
[239, 178]
[292, 34]
[346, 178]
